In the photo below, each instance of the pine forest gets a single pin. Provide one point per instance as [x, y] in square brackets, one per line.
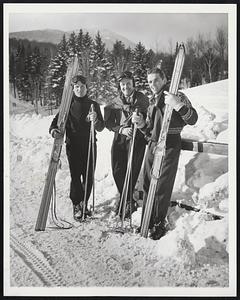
[37, 70]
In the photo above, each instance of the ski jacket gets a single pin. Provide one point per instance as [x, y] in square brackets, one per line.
[186, 115]
[77, 125]
[118, 118]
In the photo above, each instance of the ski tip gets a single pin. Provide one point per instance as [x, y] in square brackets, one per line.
[181, 46]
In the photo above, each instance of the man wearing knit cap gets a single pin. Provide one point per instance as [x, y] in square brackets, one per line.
[183, 113]
[119, 121]
[77, 142]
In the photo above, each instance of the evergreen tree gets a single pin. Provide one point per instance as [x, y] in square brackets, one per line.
[103, 79]
[121, 58]
[72, 44]
[79, 43]
[63, 47]
[87, 55]
[140, 66]
[98, 71]
[151, 59]
[57, 70]
[37, 74]
[12, 72]
[98, 49]
[168, 64]
[111, 80]
[117, 57]
[128, 56]
[27, 83]
[28, 69]
[20, 58]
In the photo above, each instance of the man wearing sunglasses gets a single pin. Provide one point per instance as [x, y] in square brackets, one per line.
[118, 120]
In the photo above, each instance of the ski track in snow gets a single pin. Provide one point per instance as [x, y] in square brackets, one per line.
[194, 253]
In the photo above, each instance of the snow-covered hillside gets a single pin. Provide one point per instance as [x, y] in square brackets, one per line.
[194, 252]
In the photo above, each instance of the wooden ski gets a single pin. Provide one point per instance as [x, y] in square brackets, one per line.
[57, 146]
[160, 149]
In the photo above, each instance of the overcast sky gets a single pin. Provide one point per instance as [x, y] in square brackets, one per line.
[154, 30]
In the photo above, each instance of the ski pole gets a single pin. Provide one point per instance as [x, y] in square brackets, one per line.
[59, 223]
[189, 207]
[124, 195]
[131, 193]
[128, 176]
[87, 170]
[93, 157]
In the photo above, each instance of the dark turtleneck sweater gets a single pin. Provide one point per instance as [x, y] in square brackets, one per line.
[77, 126]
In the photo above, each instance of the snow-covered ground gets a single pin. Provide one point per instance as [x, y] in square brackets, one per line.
[194, 252]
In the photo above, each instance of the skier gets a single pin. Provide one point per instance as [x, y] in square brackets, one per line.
[77, 142]
[183, 113]
[119, 120]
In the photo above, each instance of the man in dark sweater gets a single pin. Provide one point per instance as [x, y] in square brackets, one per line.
[118, 119]
[77, 142]
[183, 113]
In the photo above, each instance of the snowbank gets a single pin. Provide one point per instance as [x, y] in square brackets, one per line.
[211, 103]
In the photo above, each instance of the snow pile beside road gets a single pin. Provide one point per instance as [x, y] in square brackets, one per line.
[31, 127]
[211, 103]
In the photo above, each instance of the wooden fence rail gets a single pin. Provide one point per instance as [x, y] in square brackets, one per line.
[206, 147]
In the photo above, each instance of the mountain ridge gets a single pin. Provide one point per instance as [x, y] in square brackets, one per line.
[55, 36]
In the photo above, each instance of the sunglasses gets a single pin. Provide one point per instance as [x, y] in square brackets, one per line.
[78, 78]
[125, 74]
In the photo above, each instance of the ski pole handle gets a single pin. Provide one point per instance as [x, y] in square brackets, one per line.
[137, 119]
[91, 108]
[136, 111]
[90, 117]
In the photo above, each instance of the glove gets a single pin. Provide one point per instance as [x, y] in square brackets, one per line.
[138, 120]
[92, 117]
[126, 107]
[128, 131]
[56, 133]
[173, 101]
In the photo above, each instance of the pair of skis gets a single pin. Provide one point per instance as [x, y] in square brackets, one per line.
[160, 149]
[72, 70]
[49, 192]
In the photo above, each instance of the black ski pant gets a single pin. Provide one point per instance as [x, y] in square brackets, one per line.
[77, 154]
[119, 158]
[165, 182]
